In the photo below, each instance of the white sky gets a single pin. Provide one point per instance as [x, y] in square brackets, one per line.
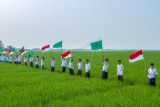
[123, 24]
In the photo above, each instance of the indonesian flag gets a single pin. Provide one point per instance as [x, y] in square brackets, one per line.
[66, 55]
[136, 56]
[45, 48]
[11, 52]
[23, 52]
[4, 51]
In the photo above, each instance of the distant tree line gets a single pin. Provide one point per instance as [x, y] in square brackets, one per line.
[3, 47]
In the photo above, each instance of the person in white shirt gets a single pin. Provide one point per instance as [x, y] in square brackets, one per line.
[19, 59]
[42, 63]
[120, 69]
[64, 65]
[105, 69]
[0, 57]
[16, 60]
[7, 59]
[152, 74]
[71, 67]
[53, 62]
[80, 66]
[37, 62]
[25, 60]
[10, 59]
[31, 61]
[87, 68]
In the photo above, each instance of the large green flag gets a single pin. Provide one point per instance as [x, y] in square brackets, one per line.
[31, 54]
[97, 45]
[58, 45]
[1, 50]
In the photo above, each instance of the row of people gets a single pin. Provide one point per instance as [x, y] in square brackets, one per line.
[152, 72]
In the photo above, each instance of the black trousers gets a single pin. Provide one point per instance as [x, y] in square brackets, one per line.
[52, 69]
[71, 71]
[31, 64]
[152, 81]
[25, 63]
[63, 69]
[104, 75]
[88, 74]
[42, 67]
[37, 66]
[79, 72]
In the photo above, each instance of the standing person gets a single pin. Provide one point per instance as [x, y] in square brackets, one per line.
[16, 60]
[64, 65]
[87, 68]
[31, 61]
[42, 63]
[105, 69]
[71, 67]
[53, 64]
[19, 59]
[10, 59]
[120, 69]
[37, 62]
[152, 74]
[25, 60]
[7, 59]
[80, 66]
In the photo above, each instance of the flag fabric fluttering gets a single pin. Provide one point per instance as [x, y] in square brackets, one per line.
[4, 51]
[97, 45]
[67, 54]
[45, 48]
[31, 54]
[58, 45]
[1, 50]
[22, 51]
[11, 51]
[137, 56]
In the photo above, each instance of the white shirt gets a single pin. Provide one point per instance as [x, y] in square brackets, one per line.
[37, 61]
[53, 63]
[105, 67]
[42, 62]
[152, 72]
[25, 60]
[10, 59]
[71, 65]
[15, 59]
[88, 67]
[80, 66]
[31, 59]
[64, 63]
[19, 58]
[120, 69]
[7, 59]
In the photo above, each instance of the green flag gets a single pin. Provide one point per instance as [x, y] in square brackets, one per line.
[97, 45]
[1, 50]
[58, 45]
[31, 54]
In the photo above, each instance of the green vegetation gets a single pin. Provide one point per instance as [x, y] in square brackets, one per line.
[22, 86]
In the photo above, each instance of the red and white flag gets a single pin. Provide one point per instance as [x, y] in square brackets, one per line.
[23, 52]
[45, 48]
[66, 55]
[136, 56]
[4, 51]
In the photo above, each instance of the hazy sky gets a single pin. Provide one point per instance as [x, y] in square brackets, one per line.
[121, 23]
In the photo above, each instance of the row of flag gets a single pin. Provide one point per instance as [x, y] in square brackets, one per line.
[97, 45]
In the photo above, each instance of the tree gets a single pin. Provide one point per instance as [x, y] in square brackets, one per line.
[9, 47]
[1, 44]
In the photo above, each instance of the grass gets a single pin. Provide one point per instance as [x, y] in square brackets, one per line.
[22, 86]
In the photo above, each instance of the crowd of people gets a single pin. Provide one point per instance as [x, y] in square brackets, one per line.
[152, 72]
